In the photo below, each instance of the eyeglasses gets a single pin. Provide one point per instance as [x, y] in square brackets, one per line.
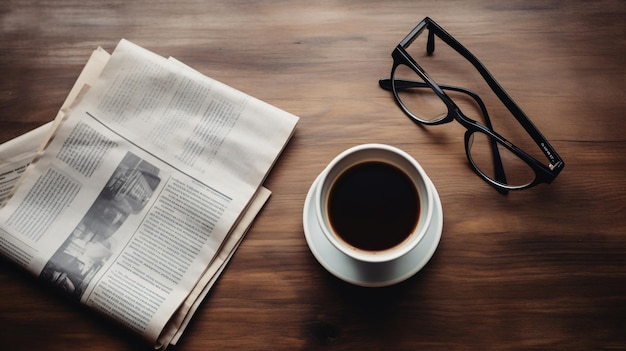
[496, 160]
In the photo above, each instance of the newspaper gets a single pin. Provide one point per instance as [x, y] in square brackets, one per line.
[144, 186]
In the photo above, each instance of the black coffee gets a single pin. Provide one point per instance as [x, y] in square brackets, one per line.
[373, 206]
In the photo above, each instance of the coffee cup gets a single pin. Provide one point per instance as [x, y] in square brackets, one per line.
[373, 202]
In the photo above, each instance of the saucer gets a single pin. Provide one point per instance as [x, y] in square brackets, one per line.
[365, 273]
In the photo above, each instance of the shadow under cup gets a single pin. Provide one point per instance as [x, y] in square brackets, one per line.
[373, 202]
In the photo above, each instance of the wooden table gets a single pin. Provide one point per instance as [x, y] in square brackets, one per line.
[544, 268]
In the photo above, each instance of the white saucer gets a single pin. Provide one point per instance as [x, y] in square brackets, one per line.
[364, 273]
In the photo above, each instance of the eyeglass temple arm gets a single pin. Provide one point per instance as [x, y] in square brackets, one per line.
[500, 175]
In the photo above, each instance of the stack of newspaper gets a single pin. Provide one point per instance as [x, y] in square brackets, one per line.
[133, 199]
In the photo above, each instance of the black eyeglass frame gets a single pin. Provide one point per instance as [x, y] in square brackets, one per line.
[543, 173]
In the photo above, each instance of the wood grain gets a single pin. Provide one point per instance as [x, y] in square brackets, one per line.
[539, 269]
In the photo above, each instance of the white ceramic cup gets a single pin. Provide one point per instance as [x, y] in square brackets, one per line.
[370, 153]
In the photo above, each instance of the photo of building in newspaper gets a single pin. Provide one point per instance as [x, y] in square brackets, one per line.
[91, 243]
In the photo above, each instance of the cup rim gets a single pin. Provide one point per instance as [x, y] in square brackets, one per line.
[423, 190]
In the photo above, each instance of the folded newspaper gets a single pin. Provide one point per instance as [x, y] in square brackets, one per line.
[133, 199]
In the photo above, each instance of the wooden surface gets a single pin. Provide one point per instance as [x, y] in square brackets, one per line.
[539, 269]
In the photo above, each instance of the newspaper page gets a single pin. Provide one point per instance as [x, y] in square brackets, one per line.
[18, 153]
[140, 187]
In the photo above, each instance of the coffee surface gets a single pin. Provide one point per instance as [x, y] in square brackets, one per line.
[373, 206]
